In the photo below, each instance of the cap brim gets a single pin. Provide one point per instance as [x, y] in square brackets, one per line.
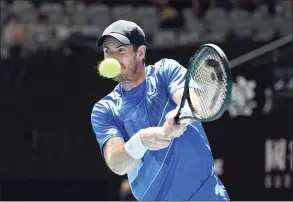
[123, 39]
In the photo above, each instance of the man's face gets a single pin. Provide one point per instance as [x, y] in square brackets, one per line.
[126, 56]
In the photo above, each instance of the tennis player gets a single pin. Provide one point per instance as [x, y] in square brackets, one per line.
[135, 129]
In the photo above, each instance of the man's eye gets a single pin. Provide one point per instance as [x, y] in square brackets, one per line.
[121, 50]
[106, 50]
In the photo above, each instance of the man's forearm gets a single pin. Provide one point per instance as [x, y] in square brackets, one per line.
[186, 111]
[120, 162]
[177, 96]
[123, 157]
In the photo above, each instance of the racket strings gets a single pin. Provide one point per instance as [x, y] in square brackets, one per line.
[210, 76]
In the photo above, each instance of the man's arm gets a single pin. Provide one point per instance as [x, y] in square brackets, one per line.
[172, 129]
[172, 76]
[116, 157]
[177, 97]
[122, 157]
[111, 141]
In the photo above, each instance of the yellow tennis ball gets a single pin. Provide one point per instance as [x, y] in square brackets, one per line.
[109, 68]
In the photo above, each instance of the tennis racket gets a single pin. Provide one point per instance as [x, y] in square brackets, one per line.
[208, 83]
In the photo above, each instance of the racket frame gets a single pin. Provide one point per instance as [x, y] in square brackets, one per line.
[186, 93]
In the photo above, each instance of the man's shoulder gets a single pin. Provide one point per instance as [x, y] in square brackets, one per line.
[161, 65]
[164, 61]
[107, 102]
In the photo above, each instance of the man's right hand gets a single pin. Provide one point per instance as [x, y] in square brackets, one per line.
[154, 138]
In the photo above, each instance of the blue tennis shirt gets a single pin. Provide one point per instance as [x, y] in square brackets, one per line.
[182, 171]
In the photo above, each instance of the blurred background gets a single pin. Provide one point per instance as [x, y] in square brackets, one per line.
[49, 84]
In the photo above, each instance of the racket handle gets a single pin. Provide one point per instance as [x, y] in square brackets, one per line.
[176, 119]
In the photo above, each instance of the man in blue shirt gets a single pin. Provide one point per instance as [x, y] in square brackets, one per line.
[135, 129]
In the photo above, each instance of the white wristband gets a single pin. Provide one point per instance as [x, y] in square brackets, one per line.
[134, 147]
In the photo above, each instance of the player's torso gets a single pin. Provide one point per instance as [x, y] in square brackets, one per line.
[178, 170]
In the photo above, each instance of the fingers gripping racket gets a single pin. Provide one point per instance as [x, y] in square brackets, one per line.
[208, 83]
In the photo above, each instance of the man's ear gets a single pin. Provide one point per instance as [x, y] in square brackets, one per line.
[141, 52]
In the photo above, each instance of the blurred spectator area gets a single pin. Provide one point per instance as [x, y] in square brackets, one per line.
[37, 24]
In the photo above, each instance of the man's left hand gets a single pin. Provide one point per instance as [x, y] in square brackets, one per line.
[171, 128]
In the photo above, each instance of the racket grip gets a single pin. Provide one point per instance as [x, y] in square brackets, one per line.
[176, 120]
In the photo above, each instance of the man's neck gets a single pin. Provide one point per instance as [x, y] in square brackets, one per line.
[128, 85]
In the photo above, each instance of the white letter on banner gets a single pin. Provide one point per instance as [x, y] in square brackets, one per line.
[275, 155]
[290, 155]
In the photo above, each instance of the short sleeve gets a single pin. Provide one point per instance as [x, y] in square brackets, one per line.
[103, 125]
[173, 75]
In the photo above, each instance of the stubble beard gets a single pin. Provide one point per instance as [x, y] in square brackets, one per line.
[127, 74]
